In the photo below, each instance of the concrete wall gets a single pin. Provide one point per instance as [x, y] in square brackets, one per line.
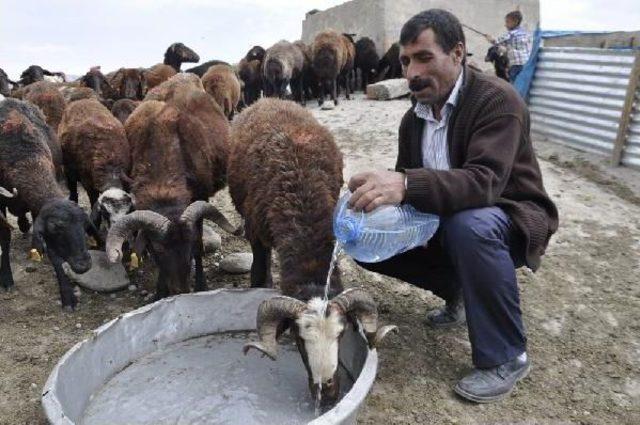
[382, 19]
[365, 18]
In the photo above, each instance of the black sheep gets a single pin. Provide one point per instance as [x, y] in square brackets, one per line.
[36, 73]
[5, 90]
[366, 61]
[389, 66]
[26, 165]
[201, 69]
[498, 56]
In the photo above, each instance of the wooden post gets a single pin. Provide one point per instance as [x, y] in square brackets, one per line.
[627, 110]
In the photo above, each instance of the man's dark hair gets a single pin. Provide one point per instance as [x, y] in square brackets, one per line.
[445, 25]
[516, 15]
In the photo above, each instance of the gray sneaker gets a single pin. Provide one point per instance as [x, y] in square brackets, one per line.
[452, 314]
[492, 384]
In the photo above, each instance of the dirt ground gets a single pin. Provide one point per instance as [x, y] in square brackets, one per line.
[581, 309]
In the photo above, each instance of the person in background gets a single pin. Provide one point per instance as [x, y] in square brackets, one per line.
[518, 42]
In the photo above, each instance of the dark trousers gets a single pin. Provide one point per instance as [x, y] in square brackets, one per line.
[476, 251]
[514, 70]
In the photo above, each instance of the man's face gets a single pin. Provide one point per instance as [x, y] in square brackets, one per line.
[431, 72]
[510, 23]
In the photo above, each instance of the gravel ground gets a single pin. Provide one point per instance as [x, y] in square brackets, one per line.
[581, 309]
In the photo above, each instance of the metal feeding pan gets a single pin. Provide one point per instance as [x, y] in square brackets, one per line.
[178, 361]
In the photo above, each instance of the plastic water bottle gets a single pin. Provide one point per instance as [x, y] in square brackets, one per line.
[384, 232]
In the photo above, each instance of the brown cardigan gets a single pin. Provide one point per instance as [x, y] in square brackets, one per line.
[492, 162]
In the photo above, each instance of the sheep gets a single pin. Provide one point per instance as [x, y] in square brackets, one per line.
[179, 143]
[36, 73]
[177, 54]
[389, 66]
[128, 83]
[332, 58]
[48, 98]
[283, 64]
[256, 53]
[310, 82]
[26, 165]
[122, 108]
[71, 94]
[497, 55]
[348, 72]
[96, 153]
[250, 72]
[222, 84]
[285, 174]
[5, 89]
[366, 61]
[202, 68]
[97, 81]
[157, 74]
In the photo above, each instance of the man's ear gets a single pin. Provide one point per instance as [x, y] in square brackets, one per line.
[459, 53]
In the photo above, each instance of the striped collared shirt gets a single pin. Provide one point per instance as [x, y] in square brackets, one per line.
[435, 150]
[518, 42]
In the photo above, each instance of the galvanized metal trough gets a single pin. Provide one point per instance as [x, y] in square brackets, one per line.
[118, 352]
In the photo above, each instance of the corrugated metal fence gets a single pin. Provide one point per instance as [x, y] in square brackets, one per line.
[631, 152]
[579, 97]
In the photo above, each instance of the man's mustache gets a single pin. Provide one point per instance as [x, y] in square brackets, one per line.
[418, 84]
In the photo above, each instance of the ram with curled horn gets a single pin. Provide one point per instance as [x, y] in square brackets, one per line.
[317, 327]
[179, 144]
[284, 179]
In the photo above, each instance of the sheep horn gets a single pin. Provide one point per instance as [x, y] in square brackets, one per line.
[202, 209]
[146, 220]
[5, 193]
[358, 302]
[270, 314]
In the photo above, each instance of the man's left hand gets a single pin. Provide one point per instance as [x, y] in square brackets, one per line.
[374, 188]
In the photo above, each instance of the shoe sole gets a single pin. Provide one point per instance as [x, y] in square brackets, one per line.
[491, 399]
[445, 325]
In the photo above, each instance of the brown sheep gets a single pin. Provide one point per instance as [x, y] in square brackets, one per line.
[122, 108]
[310, 82]
[158, 74]
[47, 97]
[285, 174]
[283, 64]
[222, 84]
[180, 142]
[328, 59]
[96, 153]
[27, 166]
[250, 72]
[128, 83]
[71, 94]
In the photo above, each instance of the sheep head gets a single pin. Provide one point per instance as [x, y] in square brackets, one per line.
[317, 326]
[112, 204]
[171, 241]
[59, 229]
[178, 54]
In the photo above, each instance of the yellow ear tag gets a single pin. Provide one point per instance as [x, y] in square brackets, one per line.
[134, 262]
[34, 255]
[92, 242]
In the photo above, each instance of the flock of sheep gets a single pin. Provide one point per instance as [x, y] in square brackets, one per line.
[152, 146]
